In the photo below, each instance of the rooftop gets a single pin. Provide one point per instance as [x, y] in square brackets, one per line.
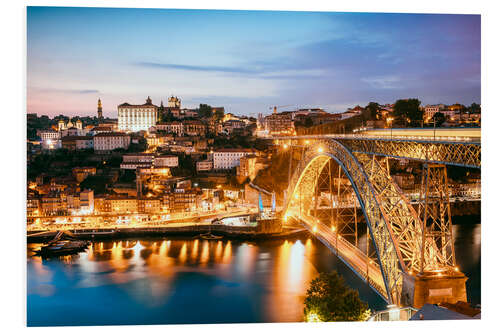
[110, 134]
[234, 150]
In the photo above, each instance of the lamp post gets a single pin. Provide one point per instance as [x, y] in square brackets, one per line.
[389, 120]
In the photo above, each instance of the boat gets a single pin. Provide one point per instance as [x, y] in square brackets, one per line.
[209, 236]
[62, 247]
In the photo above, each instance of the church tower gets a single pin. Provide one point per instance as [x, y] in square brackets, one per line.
[99, 109]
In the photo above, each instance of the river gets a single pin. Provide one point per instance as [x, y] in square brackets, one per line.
[175, 280]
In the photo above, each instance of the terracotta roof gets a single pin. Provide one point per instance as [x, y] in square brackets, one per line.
[75, 137]
[136, 105]
[110, 134]
[139, 154]
[234, 150]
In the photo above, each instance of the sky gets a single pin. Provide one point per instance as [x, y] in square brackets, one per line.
[246, 61]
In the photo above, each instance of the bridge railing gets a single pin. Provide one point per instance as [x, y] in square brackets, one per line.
[324, 234]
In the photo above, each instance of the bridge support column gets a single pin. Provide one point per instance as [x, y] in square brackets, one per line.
[439, 288]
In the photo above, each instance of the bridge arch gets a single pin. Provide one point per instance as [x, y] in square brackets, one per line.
[393, 264]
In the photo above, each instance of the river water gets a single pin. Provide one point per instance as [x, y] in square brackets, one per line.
[175, 280]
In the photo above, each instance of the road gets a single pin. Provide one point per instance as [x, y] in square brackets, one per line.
[350, 254]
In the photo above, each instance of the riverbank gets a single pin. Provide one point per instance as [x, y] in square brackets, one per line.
[230, 232]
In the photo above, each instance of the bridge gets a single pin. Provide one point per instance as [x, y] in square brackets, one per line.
[408, 258]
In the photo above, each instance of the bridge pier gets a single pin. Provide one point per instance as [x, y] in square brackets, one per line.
[434, 288]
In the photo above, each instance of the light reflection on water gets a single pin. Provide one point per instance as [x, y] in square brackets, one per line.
[162, 281]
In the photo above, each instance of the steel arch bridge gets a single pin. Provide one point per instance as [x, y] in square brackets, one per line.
[402, 247]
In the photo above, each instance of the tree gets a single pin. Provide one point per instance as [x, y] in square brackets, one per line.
[439, 118]
[371, 111]
[219, 113]
[329, 299]
[474, 108]
[205, 111]
[308, 122]
[408, 112]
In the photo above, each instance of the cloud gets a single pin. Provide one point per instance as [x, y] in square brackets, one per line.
[222, 69]
[383, 82]
[67, 91]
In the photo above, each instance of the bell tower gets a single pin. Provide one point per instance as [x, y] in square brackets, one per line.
[99, 109]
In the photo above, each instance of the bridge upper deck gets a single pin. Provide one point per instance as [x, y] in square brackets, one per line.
[462, 151]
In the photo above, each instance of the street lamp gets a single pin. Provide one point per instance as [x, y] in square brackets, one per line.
[389, 120]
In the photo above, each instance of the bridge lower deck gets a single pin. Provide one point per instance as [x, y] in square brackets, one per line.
[367, 269]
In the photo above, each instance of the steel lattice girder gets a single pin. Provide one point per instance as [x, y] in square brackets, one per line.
[437, 213]
[451, 153]
[302, 188]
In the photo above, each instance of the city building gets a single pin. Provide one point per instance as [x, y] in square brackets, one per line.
[86, 202]
[174, 102]
[77, 142]
[158, 139]
[183, 200]
[122, 205]
[230, 125]
[53, 204]
[109, 141]
[279, 123]
[229, 158]
[137, 160]
[247, 167]
[101, 129]
[80, 173]
[175, 127]
[204, 165]
[149, 205]
[136, 118]
[194, 128]
[170, 161]
[49, 134]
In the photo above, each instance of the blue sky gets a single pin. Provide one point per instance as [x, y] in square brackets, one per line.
[247, 61]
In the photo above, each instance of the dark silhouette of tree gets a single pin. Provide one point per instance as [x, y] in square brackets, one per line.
[329, 299]
[308, 122]
[407, 112]
[205, 111]
[439, 118]
[474, 108]
[371, 111]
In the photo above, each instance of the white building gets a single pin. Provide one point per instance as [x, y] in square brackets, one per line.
[204, 165]
[110, 141]
[87, 201]
[136, 118]
[170, 161]
[137, 160]
[148, 160]
[229, 158]
[431, 110]
[50, 139]
[50, 134]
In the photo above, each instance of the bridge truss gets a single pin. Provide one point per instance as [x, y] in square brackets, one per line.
[402, 247]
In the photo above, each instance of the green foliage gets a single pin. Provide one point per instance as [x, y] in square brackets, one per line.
[205, 111]
[219, 114]
[138, 147]
[474, 108]
[128, 176]
[371, 111]
[308, 122]
[408, 112]
[187, 166]
[95, 183]
[329, 299]
[439, 118]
